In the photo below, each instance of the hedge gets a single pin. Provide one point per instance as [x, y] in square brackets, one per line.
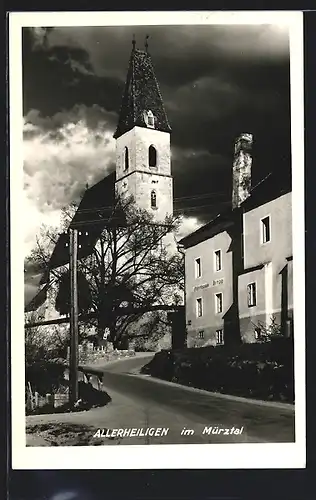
[262, 371]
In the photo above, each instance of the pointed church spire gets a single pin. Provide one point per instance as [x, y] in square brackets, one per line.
[142, 104]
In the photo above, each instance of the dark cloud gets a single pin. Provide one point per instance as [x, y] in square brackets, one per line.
[216, 81]
[182, 53]
[59, 78]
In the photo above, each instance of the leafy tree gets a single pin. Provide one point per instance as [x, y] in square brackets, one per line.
[62, 303]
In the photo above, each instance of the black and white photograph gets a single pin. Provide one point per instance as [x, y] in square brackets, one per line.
[157, 241]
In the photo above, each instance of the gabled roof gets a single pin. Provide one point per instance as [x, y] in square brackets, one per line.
[97, 209]
[220, 223]
[271, 187]
[141, 94]
[38, 300]
[268, 189]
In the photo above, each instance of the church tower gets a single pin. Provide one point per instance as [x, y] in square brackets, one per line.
[143, 166]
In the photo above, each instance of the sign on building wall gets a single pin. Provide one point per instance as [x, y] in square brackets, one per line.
[200, 287]
[219, 281]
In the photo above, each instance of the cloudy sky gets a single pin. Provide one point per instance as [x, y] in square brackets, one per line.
[216, 81]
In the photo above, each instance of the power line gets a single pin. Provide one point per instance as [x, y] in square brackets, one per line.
[199, 196]
[102, 220]
[197, 207]
[176, 211]
[182, 198]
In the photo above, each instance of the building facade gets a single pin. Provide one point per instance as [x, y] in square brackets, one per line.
[239, 266]
[265, 288]
[209, 291]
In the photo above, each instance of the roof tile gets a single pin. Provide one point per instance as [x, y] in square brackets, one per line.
[141, 94]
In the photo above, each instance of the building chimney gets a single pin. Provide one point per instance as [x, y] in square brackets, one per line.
[242, 169]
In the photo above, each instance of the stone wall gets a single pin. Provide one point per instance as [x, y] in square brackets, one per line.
[89, 354]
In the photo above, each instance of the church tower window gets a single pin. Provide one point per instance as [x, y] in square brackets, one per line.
[126, 159]
[152, 154]
[153, 199]
[149, 119]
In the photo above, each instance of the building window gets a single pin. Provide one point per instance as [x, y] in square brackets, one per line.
[199, 308]
[220, 337]
[218, 260]
[198, 268]
[153, 199]
[218, 302]
[201, 334]
[152, 156]
[257, 333]
[265, 230]
[126, 159]
[252, 294]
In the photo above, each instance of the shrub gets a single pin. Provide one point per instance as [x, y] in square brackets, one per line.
[45, 377]
[46, 342]
[263, 370]
[161, 365]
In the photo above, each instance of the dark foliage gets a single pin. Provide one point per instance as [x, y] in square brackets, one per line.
[45, 377]
[63, 297]
[48, 378]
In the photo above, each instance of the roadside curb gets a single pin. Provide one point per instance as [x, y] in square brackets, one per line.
[239, 399]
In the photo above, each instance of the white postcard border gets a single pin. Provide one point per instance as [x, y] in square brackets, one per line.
[206, 456]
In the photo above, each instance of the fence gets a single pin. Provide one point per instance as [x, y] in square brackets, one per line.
[38, 403]
[34, 401]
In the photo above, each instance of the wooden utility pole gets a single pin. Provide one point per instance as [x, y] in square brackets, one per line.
[73, 365]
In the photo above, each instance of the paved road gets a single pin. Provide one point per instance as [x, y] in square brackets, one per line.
[141, 401]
